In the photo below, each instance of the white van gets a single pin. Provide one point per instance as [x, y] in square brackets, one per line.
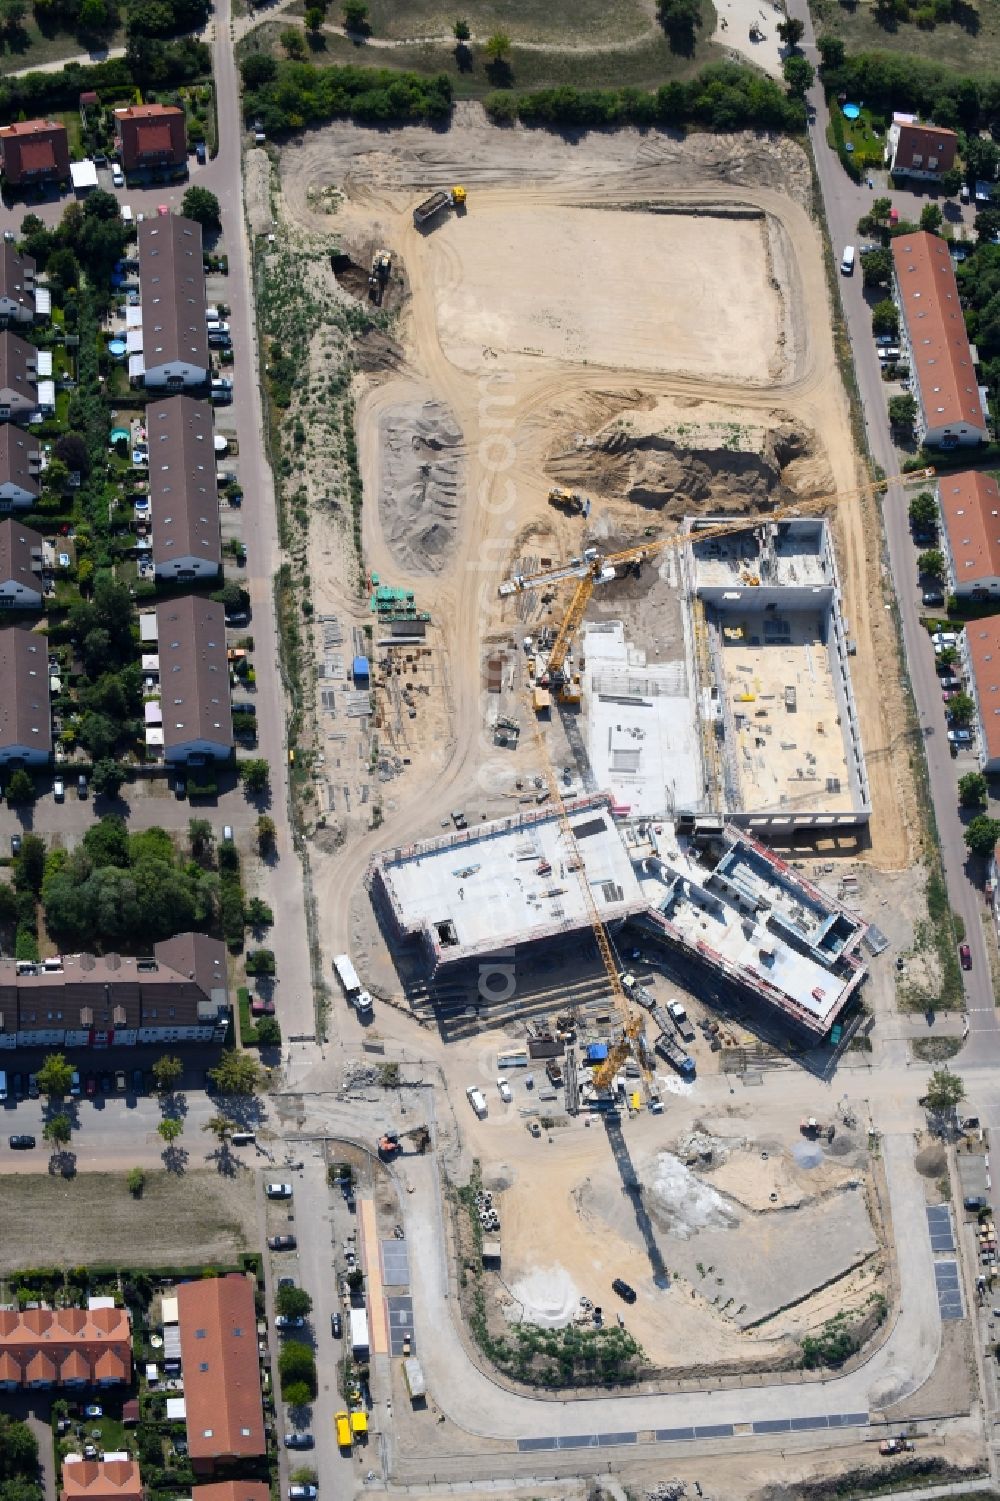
[847, 264]
[126, 214]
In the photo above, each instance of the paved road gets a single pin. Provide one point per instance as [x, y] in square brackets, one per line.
[844, 203]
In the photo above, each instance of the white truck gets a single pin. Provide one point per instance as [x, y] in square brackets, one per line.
[477, 1100]
[352, 987]
[360, 1347]
[681, 1020]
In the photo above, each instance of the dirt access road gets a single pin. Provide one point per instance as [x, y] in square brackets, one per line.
[543, 376]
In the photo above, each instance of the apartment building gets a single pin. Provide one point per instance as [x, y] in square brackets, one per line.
[20, 466]
[217, 1321]
[18, 379]
[34, 151]
[981, 649]
[177, 994]
[951, 407]
[969, 505]
[172, 290]
[183, 495]
[21, 566]
[150, 136]
[25, 715]
[195, 701]
[17, 286]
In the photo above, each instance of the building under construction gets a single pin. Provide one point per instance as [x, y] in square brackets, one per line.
[719, 901]
[782, 744]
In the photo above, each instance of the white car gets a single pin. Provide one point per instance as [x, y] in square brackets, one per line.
[278, 1190]
[505, 1091]
[58, 789]
[118, 177]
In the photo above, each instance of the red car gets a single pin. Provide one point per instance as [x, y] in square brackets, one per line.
[90, 1084]
[260, 1007]
[965, 955]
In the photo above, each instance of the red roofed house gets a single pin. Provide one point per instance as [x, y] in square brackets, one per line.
[113, 1478]
[923, 151]
[933, 335]
[232, 1490]
[217, 1320]
[981, 648]
[65, 1347]
[34, 151]
[151, 135]
[970, 533]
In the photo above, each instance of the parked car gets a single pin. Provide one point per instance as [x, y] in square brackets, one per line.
[90, 1085]
[15, 844]
[336, 1325]
[960, 737]
[58, 789]
[261, 1007]
[21, 1143]
[75, 1086]
[933, 597]
[942, 639]
[623, 1290]
[282, 1242]
[93, 1410]
[201, 152]
[288, 1321]
[505, 1091]
[121, 1083]
[302, 1493]
[33, 1090]
[106, 1080]
[138, 1081]
[19, 1086]
[117, 177]
[965, 955]
[299, 1440]
[951, 683]
[278, 1190]
[81, 786]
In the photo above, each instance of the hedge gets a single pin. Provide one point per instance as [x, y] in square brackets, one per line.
[165, 64]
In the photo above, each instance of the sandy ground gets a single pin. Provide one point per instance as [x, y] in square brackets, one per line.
[640, 291]
[732, 29]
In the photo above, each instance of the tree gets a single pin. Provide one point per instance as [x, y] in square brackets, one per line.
[167, 1071]
[790, 30]
[106, 841]
[20, 789]
[293, 1302]
[232, 596]
[268, 1032]
[923, 511]
[71, 450]
[876, 267]
[201, 837]
[945, 1090]
[461, 31]
[107, 777]
[931, 562]
[902, 413]
[981, 835]
[972, 790]
[257, 913]
[237, 1073]
[203, 207]
[9, 905]
[29, 868]
[680, 20]
[497, 46]
[961, 709]
[297, 1394]
[831, 50]
[314, 20]
[356, 16]
[257, 69]
[58, 1130]
[18, 1452]
[98, 735]
[297, 1367]
[170, 1129]
[931, 218]
[255, 775]
[136, 1182]
[885, 318]
[951, 182]
[220, 1126]
[293, 42]
[799, 74]
[266, 834]
[55, 1077]
[881, 209]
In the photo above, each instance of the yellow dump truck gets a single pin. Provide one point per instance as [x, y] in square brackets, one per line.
[342, 1423]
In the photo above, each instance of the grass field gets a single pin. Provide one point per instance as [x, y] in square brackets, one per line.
[589, 22]
[952, 46]
[644, 64]
[33, 47]
[181, 1220]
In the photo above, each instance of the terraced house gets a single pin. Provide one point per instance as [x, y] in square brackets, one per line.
[25, 713]
[70, 1347]
[172, 291]
[183, 495]
[18, 378]
[19, 297]
[20, 466]
[217, 1321]
[970, 533]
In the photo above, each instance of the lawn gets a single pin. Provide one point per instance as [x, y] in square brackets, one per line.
[644, 66]
[869, 144]
[180, 1220]
[32, 47]
[952, 46]
[586, 24]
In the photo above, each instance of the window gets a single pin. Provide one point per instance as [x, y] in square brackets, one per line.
[203, 1365]
[201, 1334]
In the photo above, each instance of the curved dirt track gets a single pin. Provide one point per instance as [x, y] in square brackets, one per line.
[505, 412]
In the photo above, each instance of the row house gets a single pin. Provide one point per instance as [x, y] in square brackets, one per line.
[20, 468]
[67, 1347]
[183, 493]
[25, 709]
[969, 506]
[172, 290]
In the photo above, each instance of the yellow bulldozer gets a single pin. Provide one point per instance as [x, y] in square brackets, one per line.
[570, 501]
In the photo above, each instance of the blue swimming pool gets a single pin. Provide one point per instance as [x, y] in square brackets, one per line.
[851, 111]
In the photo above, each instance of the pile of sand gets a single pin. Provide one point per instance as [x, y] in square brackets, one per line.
[683, 1204]
[422, 462]
[548, 1296]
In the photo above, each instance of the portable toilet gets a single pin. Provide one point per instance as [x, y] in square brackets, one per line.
[360, 672]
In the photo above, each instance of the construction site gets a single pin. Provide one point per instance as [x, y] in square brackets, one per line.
[613, 869]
